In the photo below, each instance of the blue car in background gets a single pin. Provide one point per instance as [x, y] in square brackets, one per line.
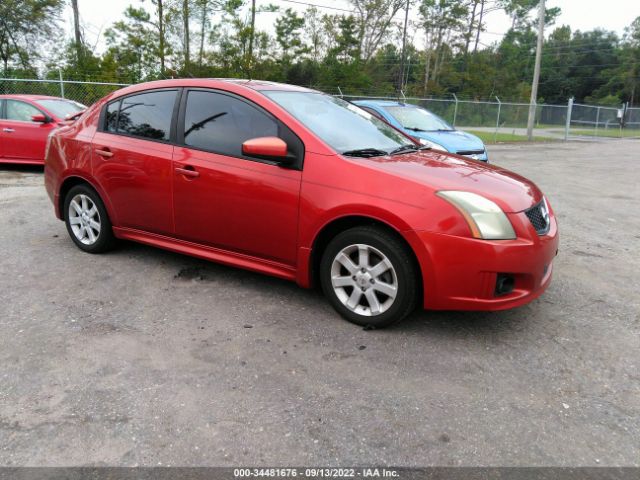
[426, 127]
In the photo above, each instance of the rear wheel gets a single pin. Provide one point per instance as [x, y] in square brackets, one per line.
[87, 220]
[369, 277]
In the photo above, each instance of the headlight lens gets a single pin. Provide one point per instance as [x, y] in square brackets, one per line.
[485, 218]
[430, 144]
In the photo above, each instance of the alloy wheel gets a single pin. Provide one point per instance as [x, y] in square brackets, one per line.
[364, 280]
[84, 219]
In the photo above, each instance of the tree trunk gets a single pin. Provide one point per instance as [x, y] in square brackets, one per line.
[76, 30]
[427, 69]
[475, 48]
[467, 39]
[252, 33]
[185, 20]
[203, 27]
[161, 35]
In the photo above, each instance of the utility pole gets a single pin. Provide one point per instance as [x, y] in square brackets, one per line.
[536, 72]
[404, 48]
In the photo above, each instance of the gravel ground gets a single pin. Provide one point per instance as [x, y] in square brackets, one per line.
[145, 357]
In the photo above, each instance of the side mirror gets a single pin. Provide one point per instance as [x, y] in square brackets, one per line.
[39, 118]
[273, 148]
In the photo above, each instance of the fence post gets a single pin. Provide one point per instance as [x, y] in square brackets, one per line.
[61, 83]
[568, 122]
[597, 119]
[455, 109]
[495, 135]
[341, 95]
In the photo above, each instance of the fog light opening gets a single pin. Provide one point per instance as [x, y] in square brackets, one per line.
[504, 284]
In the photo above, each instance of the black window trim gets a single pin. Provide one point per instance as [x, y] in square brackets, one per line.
[296, 165]
[119, 100]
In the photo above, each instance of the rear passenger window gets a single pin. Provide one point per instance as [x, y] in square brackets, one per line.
[147, 115]
[221, 123]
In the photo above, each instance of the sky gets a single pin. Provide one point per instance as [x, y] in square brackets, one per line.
[97, 15]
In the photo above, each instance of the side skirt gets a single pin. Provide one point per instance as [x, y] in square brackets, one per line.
[212, 254]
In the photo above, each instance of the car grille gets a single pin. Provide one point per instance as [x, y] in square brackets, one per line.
[538, 215]
[470, 152]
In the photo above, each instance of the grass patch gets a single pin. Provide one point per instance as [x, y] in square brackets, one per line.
[491, 137]
[609, 133]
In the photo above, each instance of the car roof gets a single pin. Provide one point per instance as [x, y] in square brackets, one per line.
[21, 96]
[257, 85]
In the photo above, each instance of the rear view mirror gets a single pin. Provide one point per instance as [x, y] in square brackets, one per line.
[39, 118]
[267, 147]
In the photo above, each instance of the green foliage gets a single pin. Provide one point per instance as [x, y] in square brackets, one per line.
[24, 26]
[358, 52]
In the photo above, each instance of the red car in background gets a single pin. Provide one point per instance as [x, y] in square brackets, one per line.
[25, 124]
[303, 186]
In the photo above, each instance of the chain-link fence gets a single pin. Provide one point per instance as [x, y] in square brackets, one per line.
[82, 92]
[507, 121]
[492, 120]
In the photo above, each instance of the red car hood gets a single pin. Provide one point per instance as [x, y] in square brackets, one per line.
[438, 171]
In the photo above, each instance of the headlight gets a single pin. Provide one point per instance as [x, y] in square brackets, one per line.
[430, 144]
[486, 219]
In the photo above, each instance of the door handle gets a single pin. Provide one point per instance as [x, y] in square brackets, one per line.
[188, 171]
[104, 152]
[8, 130]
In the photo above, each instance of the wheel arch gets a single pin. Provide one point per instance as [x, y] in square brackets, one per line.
[340, 224]
[74, 180]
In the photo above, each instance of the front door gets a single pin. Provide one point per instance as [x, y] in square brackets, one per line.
[228, 200]
[23, 140]
[132, 160]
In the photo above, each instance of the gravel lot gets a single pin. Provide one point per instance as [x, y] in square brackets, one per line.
[145, 357]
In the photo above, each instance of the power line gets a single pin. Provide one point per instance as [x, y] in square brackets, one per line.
[317, 5]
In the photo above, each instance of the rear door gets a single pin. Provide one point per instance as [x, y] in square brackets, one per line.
[23, 139]
[132, 157]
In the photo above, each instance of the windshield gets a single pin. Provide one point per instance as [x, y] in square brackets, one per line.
[60, 108]
[341, 125]
[418, 119]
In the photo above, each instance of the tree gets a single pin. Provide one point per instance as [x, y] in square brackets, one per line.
[373, 19]
[134, 44]
[443, 22]
[288, 34]
[25, 24]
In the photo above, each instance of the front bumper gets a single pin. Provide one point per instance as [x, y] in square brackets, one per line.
[460, 273]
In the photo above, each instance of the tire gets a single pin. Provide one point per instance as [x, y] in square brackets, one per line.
[366, 297]
[87, 221]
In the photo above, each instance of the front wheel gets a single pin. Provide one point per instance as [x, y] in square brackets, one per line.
[369, 277]
[87, 221]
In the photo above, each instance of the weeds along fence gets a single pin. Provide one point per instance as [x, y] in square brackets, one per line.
[495, 119]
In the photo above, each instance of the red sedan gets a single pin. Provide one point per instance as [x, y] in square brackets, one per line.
[304, 186]
[25, 123]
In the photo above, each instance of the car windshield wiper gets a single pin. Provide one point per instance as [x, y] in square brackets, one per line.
[415, 129]
[409, 147]
[365, 152]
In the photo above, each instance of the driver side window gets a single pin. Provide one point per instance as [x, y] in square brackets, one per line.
[220, 123]
[21, 111]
